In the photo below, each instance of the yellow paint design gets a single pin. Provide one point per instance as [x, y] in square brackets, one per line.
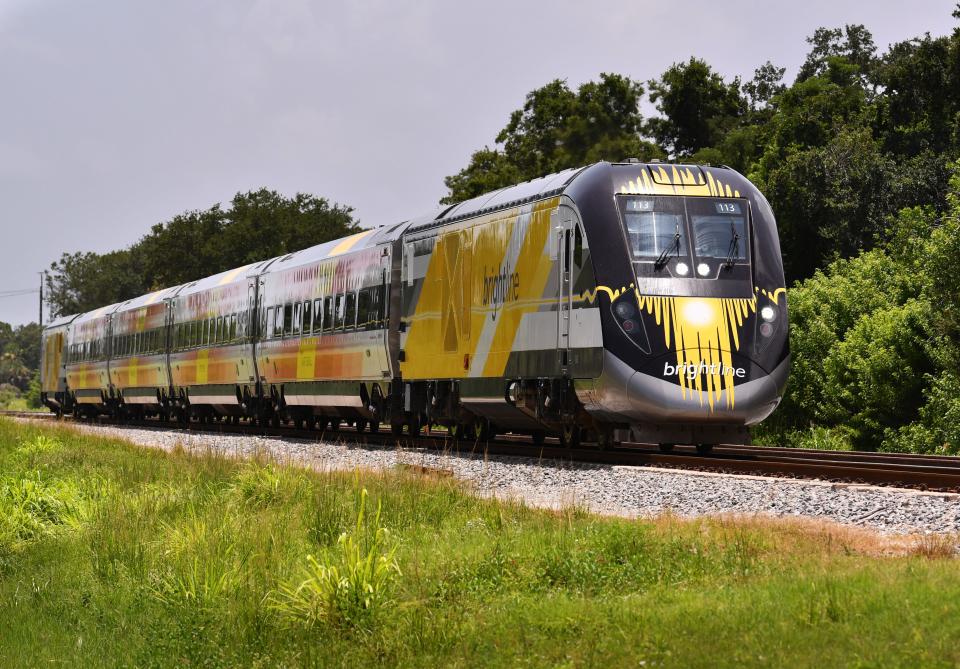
[775, 295]
[678, 182]
[535, 273]
[348, 243]
[202, 365]
[487, 244]
[704, 332]
[306, 358]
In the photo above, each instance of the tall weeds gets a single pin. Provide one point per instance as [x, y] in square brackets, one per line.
[349, 585]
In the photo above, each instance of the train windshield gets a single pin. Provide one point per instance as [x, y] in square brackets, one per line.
[719, 228]
[687, 237]
[655, 226]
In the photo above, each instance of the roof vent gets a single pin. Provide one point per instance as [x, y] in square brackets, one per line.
[655, 160]
[632, 160]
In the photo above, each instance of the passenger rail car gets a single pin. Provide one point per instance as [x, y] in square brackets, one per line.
[616, 301]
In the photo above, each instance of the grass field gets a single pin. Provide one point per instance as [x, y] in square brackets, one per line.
[112, 555]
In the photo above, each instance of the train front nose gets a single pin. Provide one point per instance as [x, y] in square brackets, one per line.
[720, 387]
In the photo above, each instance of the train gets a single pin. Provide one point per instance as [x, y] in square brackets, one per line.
[631, 301]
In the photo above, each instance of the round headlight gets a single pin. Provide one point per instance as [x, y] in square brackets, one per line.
[703, 269]
[768, 313]
[682, 268]
[629, 326]
[766, 329]
[625, 309]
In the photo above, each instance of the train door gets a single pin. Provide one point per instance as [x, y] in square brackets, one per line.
[564, 224]
[253, 320]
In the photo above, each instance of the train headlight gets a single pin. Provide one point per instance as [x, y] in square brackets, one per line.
[625, 309]
[699, 313]
[766, 329]
[682, 268]
[703, 269]
[768, 314]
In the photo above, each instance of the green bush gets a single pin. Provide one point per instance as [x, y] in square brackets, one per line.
[350, 585]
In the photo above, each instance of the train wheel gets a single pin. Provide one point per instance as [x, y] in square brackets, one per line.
[605, 438]
[298, 423]
[413, 427]
[666, 448]
[570, 436]
[396, 429]
[704, 449]
[275, 421]
[334, 424]
[538, 436]
[361, 425]
[458, 431]
[374, 426]
[482, 430]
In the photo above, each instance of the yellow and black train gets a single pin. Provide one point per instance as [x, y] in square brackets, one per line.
[615, 301]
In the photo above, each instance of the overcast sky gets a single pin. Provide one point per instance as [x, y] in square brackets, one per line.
[117, 115]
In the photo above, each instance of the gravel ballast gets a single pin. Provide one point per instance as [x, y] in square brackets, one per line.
[612, 490]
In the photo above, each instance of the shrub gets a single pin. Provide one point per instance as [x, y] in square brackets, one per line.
[350, 585]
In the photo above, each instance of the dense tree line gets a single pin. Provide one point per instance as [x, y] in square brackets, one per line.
[19, 362]
[255, 226]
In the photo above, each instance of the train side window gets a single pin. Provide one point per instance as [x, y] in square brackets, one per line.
[287, 318]
[380, 306]
[297, 318]
[233, 327]
[269, 329]
[317, 314]
[577, 247]
[307, 318]
[350, 311]
[364, 315]
[327, 313]
[221, 334]
[278, 325]
[338, 316]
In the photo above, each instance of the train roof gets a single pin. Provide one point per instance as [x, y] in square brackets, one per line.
[96, 313]
[511, 196]
[60, 321]
[222, 278]
[360, 241]
[148, 299]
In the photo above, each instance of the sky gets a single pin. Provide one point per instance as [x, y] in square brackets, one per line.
[118, 114]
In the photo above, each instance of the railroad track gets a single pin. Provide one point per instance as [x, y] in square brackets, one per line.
[925, 472]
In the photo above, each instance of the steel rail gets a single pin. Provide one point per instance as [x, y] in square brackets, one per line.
[941, 473]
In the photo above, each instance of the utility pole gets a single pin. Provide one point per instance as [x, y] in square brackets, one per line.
[42, 275]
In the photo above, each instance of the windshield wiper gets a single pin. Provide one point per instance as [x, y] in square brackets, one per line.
[733, 252]
[665, 254]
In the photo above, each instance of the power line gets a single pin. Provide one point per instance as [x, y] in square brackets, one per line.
[18, 293]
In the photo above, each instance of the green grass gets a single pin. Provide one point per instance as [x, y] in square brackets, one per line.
[111, 555]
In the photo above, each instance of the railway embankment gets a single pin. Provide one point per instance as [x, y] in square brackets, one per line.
[115, 554]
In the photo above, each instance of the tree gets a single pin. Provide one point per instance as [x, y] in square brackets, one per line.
[555, 129]
[258, 225]
[698, 108]
[831, 201]
[853, 43]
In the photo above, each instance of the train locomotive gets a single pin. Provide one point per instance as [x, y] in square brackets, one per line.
[618, 301]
